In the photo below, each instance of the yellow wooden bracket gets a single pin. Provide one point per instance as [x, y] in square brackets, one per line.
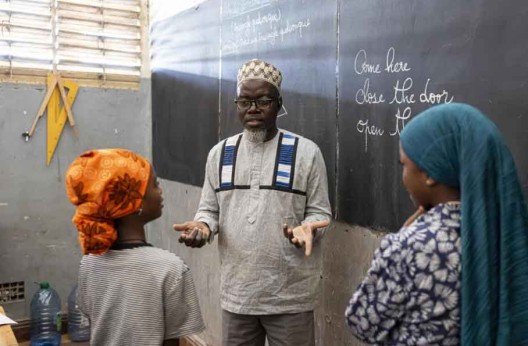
[57, 115]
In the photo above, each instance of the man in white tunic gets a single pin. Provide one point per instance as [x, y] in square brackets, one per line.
[255, 183]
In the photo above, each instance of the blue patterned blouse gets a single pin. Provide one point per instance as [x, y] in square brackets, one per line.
[411, 293]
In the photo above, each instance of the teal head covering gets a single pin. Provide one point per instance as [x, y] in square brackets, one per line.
[456, 145]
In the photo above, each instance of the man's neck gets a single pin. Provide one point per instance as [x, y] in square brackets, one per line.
[271, 134]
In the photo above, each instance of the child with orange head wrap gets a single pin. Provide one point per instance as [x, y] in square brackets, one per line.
[132, 292]
[105, 185]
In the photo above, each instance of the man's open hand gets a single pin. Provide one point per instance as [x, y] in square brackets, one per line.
[193, 233]
[303, 235]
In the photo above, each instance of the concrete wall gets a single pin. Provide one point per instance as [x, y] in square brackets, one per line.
[348, 253]
[37, 239]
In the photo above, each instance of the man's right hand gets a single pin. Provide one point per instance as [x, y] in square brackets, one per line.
[193, 233]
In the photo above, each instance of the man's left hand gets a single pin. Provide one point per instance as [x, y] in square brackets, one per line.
[303, 235]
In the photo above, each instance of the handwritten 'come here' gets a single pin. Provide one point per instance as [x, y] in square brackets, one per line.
[402, 95]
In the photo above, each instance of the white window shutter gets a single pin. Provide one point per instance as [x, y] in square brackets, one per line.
[26, 40]
[96, 42]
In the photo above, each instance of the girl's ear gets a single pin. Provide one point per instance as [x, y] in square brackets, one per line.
[430, 182]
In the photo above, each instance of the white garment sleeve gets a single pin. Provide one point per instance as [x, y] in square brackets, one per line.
[208, 208]
[317, 203]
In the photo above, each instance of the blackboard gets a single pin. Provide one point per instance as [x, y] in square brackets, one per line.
[184, 64]
[354, 73]
[416, 54]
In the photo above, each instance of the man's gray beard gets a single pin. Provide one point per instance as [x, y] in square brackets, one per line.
[255, 136]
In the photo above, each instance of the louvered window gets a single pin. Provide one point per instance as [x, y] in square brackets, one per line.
[95, 42]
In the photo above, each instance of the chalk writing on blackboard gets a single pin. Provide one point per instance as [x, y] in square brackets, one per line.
[363, 127]
[235, 8]
[403, 95]
[261, 24]
[283, 112]
[252, 24]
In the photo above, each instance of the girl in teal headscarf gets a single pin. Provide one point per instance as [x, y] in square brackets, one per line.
[453, 152]
[456, 145]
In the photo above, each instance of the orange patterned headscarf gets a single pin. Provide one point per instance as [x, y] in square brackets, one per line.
[105, 185]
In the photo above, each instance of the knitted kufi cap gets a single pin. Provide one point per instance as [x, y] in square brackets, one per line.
[261, 70]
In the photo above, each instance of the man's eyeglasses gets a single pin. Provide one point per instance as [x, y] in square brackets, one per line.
[260, 103]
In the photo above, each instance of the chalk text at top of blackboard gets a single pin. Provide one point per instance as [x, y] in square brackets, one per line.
[265, 25]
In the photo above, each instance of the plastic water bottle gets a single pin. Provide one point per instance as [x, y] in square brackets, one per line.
[78, 324]
[45, 317]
